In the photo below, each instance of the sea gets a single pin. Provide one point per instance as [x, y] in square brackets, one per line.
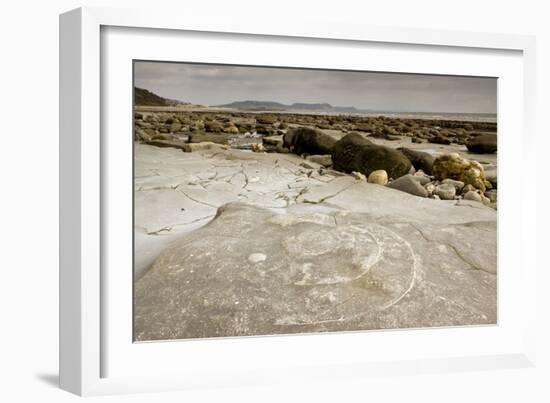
[468, 117]
[463, 117]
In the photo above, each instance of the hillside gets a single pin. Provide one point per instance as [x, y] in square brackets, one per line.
[143, 97]
[276, 106]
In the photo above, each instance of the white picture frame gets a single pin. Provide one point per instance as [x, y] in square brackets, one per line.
[96, 356]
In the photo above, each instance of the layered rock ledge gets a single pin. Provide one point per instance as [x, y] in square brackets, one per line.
[252, 244]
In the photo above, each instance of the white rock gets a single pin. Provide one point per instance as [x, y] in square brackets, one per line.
[472, 195]
[379, 177]
[257, 258]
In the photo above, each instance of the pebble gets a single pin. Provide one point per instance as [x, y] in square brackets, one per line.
[446, 191]
[457, 184]
[379, 177]
[257, 258]
[472, 195]
[485, 200]
[468, 188]
[409, 184]
[258, 148]
[430, 188]
[359, 176]
[422, 179]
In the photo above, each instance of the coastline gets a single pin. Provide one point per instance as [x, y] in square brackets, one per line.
[242, 229]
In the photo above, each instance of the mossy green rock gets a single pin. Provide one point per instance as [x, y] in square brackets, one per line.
[484, 144]
[355, 153]
[305, 140]
[453, 166]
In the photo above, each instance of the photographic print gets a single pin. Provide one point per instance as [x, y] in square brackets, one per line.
[276, 200]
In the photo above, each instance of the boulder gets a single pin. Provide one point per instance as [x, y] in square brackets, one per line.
[472, 195]
[266, 130]
[355, 153]
[213, 126]
[272, 140]
[419, 159]
[467, 188]
[439, 139]
[305, 140]
[152, 118]
[231, 129]
[458, 185]
[409, 184]
[421, 178]
[484, 144]
[445, 191]
[257, 147]
[253, 271]
[430, 188]
[266, 119]
[453, 166]
[175, 127]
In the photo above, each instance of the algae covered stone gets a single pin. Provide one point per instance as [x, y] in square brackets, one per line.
[355, 153]
[484, 144]
[309, 141]
[453, 166]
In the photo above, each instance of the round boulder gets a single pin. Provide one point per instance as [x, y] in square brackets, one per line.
[472, 195]
[453, 166]
[419, 159]
[305, 140]
[458, 185]
[445, 191]
[355, 153]
[439, 139]
[378, 177]
[484, 144]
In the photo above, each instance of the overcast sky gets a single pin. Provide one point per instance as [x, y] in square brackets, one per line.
[220, 84]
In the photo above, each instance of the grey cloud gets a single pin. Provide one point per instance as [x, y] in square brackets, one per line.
[218, 84]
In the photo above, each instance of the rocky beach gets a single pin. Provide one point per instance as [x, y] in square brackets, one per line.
[271, 222]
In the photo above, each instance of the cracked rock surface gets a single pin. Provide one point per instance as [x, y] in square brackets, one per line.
[177, 192]
[296, 249]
